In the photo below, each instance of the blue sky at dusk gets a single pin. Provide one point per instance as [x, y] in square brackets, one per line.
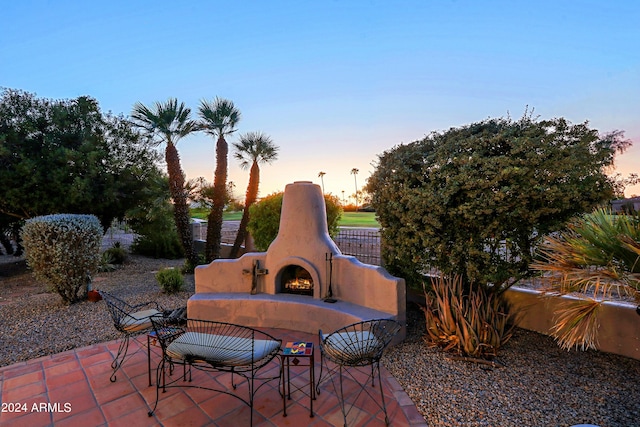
[335, 83]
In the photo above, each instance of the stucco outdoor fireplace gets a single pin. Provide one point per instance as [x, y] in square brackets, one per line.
[291, 282]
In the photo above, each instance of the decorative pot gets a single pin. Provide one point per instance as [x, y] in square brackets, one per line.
[93, 296]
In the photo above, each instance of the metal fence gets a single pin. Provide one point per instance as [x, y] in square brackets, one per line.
[363, 244]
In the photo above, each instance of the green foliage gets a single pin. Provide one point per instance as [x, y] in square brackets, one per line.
[596, 256]
[116, 254]
[64, 251]
[475, 325]
[170, 280]
[189, 268]
[475, 201]
[154, 224]
[67, 156]
[106, 263]
[265, 218]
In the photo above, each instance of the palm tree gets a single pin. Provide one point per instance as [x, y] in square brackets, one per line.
[596, 257]
[354, 172]
[321, 176]
[167, 123]
[254, 148]
[219, 119]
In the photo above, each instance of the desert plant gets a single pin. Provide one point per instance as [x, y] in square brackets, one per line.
[265, 218]
[106, 263]
[63, 250]
[597, 256]
[474, 325]
[170, 280]
[117, 254]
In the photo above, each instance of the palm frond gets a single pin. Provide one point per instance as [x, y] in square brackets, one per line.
[255, 147]
[219, 117]
[576, 324]
[168, 121]
[598, 255]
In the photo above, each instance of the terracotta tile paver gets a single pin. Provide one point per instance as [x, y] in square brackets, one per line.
[74, 390]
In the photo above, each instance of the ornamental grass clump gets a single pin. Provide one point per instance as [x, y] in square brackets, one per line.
[473, 324]
[170, 280]
[63, 250]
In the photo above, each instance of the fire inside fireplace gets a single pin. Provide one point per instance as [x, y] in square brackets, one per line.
[297, 280]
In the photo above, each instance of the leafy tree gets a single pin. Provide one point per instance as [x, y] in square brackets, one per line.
[264, 219]
[252, 149]
[66, 156]
[167, 123]
[219, 119]
[474, 201]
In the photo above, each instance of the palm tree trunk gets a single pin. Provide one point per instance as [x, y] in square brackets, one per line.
[214, 226]
[252, 195]
[180, 207]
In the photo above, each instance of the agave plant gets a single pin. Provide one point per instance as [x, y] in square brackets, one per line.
[475, 324]
[596, 257]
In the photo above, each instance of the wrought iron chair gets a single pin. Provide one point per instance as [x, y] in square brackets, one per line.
[213, 346]
[129, 320]
[355, 346]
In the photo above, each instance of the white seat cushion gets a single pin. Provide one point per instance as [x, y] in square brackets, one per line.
[220, 349]
[350, 346]
[138, 321]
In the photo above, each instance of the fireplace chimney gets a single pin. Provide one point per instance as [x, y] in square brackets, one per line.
[303, 238]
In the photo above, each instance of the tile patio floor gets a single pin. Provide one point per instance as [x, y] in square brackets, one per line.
[76, 383]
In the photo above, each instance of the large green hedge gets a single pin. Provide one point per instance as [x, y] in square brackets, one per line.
[265, 218]
[474, 201]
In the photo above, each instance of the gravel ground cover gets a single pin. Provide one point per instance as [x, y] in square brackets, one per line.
[533, 382]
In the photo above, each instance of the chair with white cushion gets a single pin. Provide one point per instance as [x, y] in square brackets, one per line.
[213, 346]
[355, 346]
[129, 320]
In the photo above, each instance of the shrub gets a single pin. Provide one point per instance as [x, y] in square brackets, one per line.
[158, 244]
[116, 254]
[475, 325]
[112, 257]
[265, 218]
[170, 280]
[475, 201]
[188, 267]
[63, 251]
[155, 227]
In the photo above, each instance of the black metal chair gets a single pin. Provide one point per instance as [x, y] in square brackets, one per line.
[213, 346]
[355, 346]
[129, 320]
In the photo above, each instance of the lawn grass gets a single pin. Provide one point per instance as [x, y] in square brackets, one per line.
[359, 219]
[232, 216]
[349, 219]
[203, 213]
